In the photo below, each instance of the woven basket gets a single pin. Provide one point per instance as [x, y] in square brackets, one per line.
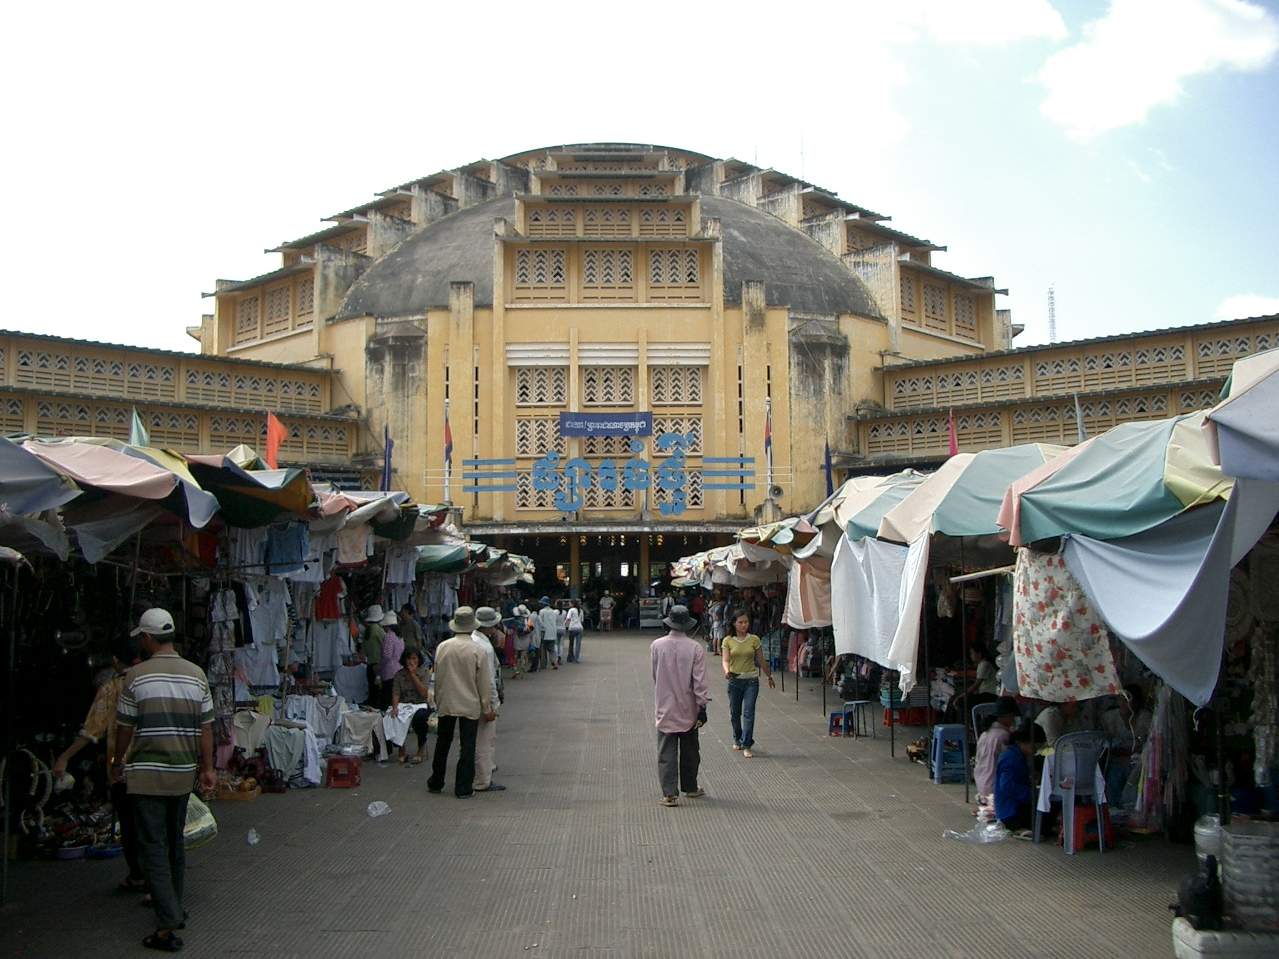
[1250, 875]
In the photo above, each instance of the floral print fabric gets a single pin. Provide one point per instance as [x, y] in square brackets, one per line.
[1061, 645]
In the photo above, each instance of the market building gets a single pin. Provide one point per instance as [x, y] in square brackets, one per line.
[708, 302]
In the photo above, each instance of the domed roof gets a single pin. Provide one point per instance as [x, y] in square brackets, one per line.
[797, 271]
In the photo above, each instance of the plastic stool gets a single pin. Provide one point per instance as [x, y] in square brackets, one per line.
[342, 772]
[950, 765]
[1086, 828]
[836, 727]
[856, 721]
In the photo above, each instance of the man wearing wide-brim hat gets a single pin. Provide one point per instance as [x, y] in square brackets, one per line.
[463, 699]
[488, 633]
[680, 695]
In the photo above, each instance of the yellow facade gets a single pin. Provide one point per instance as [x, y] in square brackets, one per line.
[606, 278]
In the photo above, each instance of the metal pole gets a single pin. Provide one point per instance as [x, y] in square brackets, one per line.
[133, 575]
[928, 673]
[892, 724]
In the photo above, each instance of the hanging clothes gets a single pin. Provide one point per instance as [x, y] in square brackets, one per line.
[247, 549]
[317, 562]
[401, 563]
[250, 730]
[329, 604]
[1061, 645]
[287, 545]
[355, 545]
[268, 610]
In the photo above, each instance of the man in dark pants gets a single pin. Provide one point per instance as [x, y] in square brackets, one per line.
[164, 735]
[462, 699]
[680, 696]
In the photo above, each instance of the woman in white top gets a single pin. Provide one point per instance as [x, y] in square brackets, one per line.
[573, 623]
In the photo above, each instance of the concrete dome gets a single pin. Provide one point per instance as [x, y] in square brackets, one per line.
[796, 270]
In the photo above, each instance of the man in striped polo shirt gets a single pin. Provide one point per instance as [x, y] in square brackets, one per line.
[165, 734]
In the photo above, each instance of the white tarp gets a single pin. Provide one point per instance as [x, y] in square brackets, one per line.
[1181, 571]
[877, 591]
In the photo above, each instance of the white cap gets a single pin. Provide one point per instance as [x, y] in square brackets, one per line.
[155, 622]
[374, 614]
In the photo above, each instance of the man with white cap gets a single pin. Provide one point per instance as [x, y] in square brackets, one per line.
[463, 698]
[164, 737]
[371, 647]
[489, 621]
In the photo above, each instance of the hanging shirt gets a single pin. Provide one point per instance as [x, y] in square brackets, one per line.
[286, 547]
[315, 563]
[268, 610]
[328, 603]
[248, 548]
[401, 564]
[355, 545]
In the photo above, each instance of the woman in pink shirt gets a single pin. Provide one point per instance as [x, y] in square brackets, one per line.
[392, 648]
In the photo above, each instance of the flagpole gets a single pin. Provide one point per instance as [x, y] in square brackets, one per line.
[448, 458]
[768, 441]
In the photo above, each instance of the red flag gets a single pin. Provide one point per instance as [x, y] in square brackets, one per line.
[275, 435]
[952, 438]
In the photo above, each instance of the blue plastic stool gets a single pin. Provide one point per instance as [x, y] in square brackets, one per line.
[836, 727]
[856, 721]
[950, 765]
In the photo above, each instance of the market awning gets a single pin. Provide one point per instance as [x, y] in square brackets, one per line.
[252, 497]
[443, 559]
[833, 516]
[866, 521]
[1127, 480]
[963, 497]
[1243, 429]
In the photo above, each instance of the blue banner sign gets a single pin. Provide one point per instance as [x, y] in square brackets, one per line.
[606, 424]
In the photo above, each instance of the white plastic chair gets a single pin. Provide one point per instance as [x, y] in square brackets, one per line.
[1075, 760]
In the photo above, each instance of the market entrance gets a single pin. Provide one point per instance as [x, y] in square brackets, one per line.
[625, 562]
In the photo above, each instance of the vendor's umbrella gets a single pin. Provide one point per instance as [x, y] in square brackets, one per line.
[443, 559]
[1243, 429]
[832, 517]
[1125, 481]
[252, 497]
[200, 506]
[30, 485]
[865, 522]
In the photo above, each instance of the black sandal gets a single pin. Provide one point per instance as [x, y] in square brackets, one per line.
[169, 943]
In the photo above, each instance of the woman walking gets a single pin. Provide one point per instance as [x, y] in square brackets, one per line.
[743, 660]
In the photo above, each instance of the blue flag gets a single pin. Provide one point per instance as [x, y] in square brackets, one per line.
[386, 457]
[830, 472]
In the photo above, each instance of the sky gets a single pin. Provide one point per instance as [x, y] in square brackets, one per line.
[1121, 151]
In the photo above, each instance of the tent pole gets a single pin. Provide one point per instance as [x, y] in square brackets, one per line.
[892, 725]
[133, 575]
[928, 673]
[12, 615]
[963, 630]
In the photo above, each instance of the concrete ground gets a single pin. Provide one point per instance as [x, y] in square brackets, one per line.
[817, 846]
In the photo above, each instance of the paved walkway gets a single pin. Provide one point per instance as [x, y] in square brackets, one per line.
[816, 847]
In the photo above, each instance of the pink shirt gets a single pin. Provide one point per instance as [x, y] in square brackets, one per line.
[989, 745]
[392, 650]
[679, 682]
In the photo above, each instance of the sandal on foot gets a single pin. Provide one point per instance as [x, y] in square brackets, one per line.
[415, 761]
[169, 943]
[128, 884]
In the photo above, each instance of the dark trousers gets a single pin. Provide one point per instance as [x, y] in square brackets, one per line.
[123, 806]
[464, 776]
[678, 759]
[160, 821]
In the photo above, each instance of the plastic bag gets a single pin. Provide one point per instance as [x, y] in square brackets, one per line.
[981, 833]
[378, 808]
[201, 828]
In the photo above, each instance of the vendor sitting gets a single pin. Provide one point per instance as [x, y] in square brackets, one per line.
[1013, 796]
[410, 687]
[991, 744]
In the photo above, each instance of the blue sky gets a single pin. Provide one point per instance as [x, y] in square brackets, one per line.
[1123, 150]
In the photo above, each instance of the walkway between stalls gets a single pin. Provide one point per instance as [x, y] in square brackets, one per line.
[818, 846]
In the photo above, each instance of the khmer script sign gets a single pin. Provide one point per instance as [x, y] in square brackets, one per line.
[606, 424]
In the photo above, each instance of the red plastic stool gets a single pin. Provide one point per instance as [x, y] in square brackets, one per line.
[836, 727]
[342, 772]
[1086, 827]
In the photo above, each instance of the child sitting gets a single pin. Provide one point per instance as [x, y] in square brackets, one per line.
[1012, 779]
[989, 746]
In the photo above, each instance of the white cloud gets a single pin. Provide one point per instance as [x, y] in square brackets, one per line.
[1137, 56]
[985, 23]
[1243, 305]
